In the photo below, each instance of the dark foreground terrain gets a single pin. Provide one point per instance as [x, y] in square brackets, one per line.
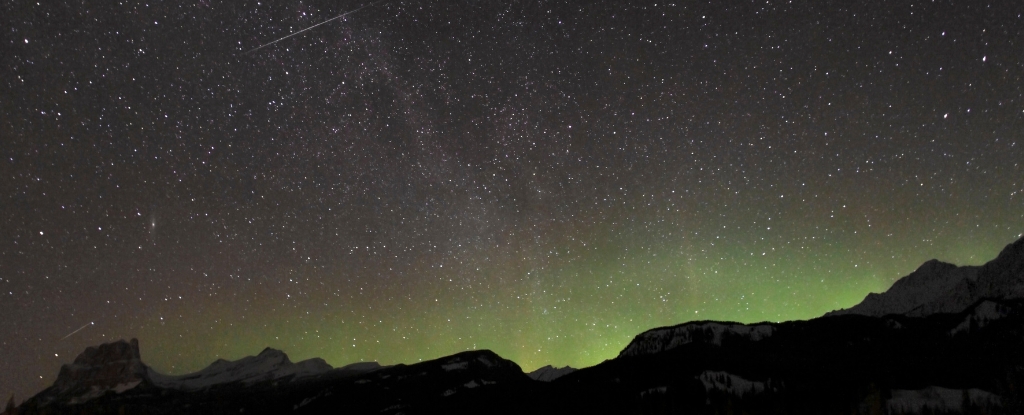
[913, 349]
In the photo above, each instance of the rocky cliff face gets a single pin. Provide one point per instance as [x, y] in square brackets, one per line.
[108, 366]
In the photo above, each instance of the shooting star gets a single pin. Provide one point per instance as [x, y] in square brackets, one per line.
[76, 331]
[314, 26]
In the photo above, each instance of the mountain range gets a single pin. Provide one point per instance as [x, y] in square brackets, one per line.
[944, 339]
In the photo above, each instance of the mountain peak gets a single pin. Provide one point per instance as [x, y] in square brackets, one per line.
[271, 353]
[940, 287]
[109, 352]
[476, 360]
[934, 265]
[708, 332]
[270, 364]
[1010, 262]
[1014, 250]
[110, 366]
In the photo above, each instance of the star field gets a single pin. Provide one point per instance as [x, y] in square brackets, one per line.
[545, 180]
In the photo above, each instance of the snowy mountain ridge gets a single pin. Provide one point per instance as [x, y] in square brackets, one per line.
[710, 332]
[270, 364]
[117, 367]
[911, 294]
[854, 364]
[939, 287]
[982, 315]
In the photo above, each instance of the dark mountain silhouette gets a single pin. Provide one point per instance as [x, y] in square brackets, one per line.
[944, 339]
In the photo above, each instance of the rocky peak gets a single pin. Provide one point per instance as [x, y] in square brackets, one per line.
[109, 366]
[1013, 252]
[270, 354]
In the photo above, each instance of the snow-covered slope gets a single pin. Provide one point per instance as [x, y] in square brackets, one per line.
[938, 287]
[270, 364]
[982, 315]
[936, 399]
[463, 361]
[711, 332]
[729, 383]
[549, 373]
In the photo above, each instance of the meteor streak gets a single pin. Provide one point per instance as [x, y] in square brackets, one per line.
[313, 26]
[76, 331]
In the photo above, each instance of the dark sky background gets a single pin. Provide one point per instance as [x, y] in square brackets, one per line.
[543, 179]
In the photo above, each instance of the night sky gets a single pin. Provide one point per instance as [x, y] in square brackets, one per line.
[542, 179]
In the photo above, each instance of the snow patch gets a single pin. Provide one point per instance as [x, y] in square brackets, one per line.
[486, 362]
[122, 387]
[729, 383]
[448, 367]
[393, 407]
[471, 384]
[983, 314]
[658, 390]
[937, 398]
[95, 391]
